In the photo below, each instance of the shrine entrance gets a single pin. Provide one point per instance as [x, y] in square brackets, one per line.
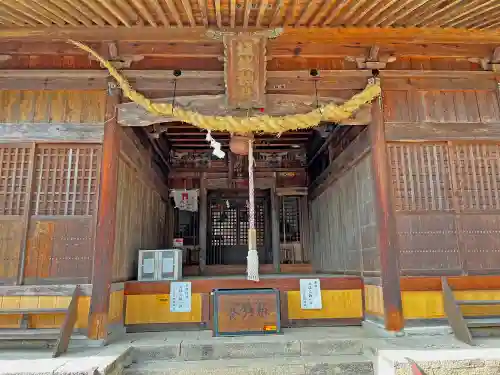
[228, 227]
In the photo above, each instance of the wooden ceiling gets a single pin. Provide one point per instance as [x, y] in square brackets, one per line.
[182, 137]
[470, 14]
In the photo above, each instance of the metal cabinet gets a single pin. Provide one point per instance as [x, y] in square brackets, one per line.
[165, 264]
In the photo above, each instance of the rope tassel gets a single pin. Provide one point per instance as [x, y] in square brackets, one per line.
[253, 255]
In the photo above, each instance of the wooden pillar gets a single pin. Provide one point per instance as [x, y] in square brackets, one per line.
[203, 222]
[106, 220]
[389, 253]
[275, 227]
[26, 216]
[305, 230]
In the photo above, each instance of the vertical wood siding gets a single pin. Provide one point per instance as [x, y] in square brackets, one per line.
[343, 224]
[140, 221]
[54, 107]
[446, 198]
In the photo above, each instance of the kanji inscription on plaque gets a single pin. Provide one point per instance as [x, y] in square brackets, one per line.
[246, 312]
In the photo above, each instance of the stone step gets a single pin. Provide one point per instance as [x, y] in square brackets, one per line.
[310, 365]
[247, 347]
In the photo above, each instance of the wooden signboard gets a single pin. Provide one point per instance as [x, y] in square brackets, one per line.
[246, 311]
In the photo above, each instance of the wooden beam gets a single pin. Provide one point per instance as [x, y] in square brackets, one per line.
[343, 36]
[427, 131]
[51, 132]
[106, 222]
[386, 230]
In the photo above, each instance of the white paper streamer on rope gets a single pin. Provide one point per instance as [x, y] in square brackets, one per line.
[215, 145]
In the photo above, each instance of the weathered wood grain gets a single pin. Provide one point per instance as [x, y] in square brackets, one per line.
[52, 107]
[431, 131]
[53, 132]
[140, 221]
[386, 234]
[106, 222]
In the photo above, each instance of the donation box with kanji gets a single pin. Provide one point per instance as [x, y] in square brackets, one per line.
[246, 312]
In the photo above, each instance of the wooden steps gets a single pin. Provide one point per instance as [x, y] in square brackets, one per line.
[460, 325]
[61, 336]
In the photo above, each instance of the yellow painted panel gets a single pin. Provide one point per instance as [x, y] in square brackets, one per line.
[57, 106]
[374, 300]
[116, 307]
[429, 304]
[336, 304]
[155, 308]
[45, 320]
[422, 305]
[10, 321]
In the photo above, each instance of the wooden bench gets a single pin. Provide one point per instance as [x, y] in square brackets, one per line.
[62, 336]
[462, 327]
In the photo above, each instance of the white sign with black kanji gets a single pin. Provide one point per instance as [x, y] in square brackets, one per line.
[180, 296]
[310, 294]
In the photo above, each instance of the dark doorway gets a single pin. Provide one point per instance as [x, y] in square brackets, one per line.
[228, 227]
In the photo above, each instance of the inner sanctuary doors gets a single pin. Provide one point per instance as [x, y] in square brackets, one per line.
[228, 229]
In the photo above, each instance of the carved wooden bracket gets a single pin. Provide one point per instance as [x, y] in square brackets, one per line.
[122, 62]
[245, 66]
[373, 60]
[490, 63]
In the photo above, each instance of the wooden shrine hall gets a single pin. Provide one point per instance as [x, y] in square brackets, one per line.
[375, 146]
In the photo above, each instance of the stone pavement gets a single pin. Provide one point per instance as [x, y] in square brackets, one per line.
[301, 351]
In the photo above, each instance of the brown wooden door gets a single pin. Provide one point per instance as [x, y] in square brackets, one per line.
[228, 229]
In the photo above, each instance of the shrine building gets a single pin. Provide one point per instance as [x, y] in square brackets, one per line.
[317, 162]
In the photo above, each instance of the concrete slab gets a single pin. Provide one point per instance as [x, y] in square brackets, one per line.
[440, 362]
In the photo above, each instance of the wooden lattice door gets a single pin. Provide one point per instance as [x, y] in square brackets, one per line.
[228, 234]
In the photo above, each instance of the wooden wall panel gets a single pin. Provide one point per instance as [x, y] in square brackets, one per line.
[140, 221]
[343, 236]
[459, 106]
[59, 248]
[480, 241]
[55, 107]
[446, 198]
[420, 177]
[476, 167]
[11, 232]
[14, 198]
[428, 242]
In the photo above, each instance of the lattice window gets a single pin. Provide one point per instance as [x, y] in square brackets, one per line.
[477, 171]
[420, 177]
[224, 221]
[289, 219]
[14, 175]
[66, 180]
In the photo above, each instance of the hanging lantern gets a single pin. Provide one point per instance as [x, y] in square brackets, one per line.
[239, 143]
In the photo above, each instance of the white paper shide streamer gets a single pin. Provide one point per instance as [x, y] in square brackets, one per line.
[215, 145]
